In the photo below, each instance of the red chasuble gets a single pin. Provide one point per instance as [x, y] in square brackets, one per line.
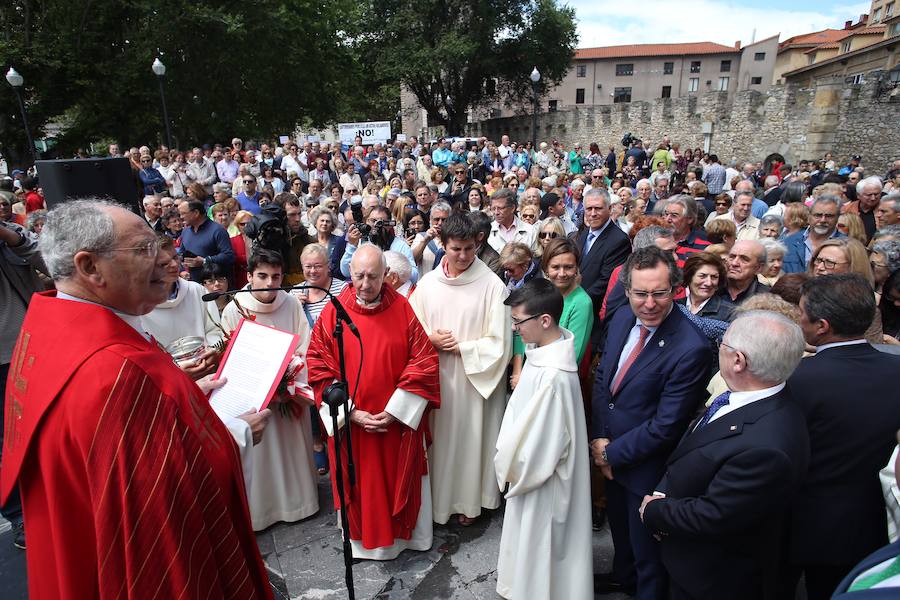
[384, 504]
[131, 485]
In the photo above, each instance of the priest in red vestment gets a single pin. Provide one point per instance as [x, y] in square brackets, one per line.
[131, 485]
[389, 508]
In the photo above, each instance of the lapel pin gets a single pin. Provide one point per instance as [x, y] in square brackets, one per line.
[733, 427]
[662, 343]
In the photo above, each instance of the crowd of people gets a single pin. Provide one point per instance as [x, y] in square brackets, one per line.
[698, 354]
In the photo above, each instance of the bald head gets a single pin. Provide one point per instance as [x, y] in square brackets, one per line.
[367, 270]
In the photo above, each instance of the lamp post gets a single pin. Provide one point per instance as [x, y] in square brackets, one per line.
[160, 70]
[535, 77]
[16, 81]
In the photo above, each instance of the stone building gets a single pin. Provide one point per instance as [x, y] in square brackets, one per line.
[797, 122]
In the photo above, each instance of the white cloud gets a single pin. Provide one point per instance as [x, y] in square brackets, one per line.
[611, 23]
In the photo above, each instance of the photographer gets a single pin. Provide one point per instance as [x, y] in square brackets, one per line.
[379, 229]
[427, 248]
[281, 230]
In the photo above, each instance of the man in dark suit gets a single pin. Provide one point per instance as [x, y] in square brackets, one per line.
[875, 577]
[603, 247]
[718, 512]
[849, 394]
[649, 383]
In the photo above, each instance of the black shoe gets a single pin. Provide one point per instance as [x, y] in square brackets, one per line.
[19, 539]
[598, 518]
[605, 584]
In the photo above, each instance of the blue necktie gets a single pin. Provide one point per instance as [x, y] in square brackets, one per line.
[588, 242]
[720, 401]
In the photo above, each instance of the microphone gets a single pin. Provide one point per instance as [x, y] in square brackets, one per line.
[342, 313]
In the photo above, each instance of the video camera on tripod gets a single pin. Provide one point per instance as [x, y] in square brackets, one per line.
[365, 230]
[269, 229]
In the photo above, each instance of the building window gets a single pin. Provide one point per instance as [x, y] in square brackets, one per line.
[723, 84]
[667, 91]
[695, 66]
[876, 16]
[581, 71]
[552, 105]
[668, 68]
[857, 79]
[845, 47]
[759, 56]
[888, 10]
[625, 69]
[726, 66]
[579, 96]
[622, 94]
[756, 81]
[693, 84]
[895, 29]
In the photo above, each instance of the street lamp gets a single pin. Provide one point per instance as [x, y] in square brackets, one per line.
[16, 81]
[160, 70]
[535, 77]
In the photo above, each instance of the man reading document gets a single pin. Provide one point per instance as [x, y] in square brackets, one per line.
[131, 485]
[389, 508]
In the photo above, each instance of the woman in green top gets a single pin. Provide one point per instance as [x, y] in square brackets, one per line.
[559, 262]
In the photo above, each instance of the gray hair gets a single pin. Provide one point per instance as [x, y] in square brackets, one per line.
[319, 211]
[772, 344]
[441, 206]
[73, 227]
[506, 195]
[647, 236]
[642, 182]
[771, 180]
[687, 202]
[597, 191]
[827, 199]
[890, 249]
[873, 180]
[888, 231]
[398, 265]
[893, 198]
[222, 187]
[771, 219]
[772, 246]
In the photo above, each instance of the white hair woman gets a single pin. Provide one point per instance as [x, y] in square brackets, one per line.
[775, 252]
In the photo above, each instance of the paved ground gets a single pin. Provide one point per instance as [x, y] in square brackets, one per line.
[305, 562]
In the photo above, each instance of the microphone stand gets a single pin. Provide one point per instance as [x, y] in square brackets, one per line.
[336, 396]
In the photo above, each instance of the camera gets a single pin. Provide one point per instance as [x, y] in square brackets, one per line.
[365, 230]
[269, 229]
[627, 140]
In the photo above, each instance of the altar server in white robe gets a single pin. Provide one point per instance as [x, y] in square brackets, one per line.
[284, 485]
[460, 305]
[542, 454]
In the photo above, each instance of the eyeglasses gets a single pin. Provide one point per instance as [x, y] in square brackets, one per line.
[213, 280]
[249, 181]
[828, 263]
[548, 234]
[643, 296]
[518, 323]
[718, 204]
[147, 250]
[824, 215]
[674, 215]
[720, 343]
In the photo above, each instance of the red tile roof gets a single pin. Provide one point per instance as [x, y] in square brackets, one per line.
[636, 50]
[879, 29]
[814, 39]
[823, 47]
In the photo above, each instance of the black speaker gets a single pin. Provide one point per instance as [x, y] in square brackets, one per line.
[107, 178]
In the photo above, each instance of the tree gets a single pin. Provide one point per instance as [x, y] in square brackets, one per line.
[233, 68]
[454, 56]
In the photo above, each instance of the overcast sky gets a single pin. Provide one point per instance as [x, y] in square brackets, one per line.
[608, 23]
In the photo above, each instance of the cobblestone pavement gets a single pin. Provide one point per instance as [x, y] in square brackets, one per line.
[305, 561]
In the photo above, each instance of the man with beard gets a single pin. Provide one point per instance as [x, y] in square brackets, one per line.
[379, 219]
[299, 238]
[823, 218]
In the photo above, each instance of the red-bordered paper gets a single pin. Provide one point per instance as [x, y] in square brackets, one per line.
[254, 363]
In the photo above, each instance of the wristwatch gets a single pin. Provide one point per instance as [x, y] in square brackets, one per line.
[603, 456]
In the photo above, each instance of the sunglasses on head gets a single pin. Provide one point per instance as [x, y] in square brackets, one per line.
[548, 234]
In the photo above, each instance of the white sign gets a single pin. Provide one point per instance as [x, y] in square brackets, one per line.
[401, 137]
[371, 132]
[283, 139]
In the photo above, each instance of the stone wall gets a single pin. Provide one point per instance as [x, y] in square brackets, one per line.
[798, 123]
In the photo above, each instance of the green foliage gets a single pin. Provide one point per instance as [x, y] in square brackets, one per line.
[232, 68]
[447, 52]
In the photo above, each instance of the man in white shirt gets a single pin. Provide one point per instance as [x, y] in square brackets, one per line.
[507, 227]
[730, 480]
[747, 225]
